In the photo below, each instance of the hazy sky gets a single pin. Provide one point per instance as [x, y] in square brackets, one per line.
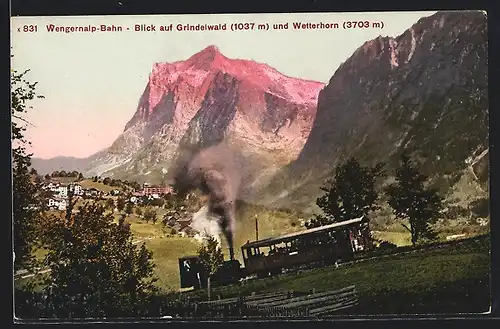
[92, 81]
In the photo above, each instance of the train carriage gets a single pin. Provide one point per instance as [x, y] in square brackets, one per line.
[319, 246]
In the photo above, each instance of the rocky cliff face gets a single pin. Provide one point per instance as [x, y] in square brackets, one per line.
[424, 91]
[207, 98]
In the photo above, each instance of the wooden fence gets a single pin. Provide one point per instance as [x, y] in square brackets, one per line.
[316, 304]
[272, 304]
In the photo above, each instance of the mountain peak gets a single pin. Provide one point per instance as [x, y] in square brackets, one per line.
[212, 49]
[196, 72]
[205, 58]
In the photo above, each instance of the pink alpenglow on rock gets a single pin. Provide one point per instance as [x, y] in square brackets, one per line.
[272, 111]
[194, 71]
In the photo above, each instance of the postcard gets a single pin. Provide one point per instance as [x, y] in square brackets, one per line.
[250, 166]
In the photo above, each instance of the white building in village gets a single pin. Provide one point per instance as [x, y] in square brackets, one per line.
[63, 190]
[77, 189]
[51, 187]
[57, 203]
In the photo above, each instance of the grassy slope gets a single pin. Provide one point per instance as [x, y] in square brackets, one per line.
[398, 238]
[451, 279]
[63, 180]
[88, 184]
[166, 252]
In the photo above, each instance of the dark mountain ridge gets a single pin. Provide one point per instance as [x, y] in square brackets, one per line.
[425, 91]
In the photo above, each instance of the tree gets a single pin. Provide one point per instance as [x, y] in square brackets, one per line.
[173, 201]
[120, 204]
[110, 203]
[106, 181]
[24, 196]
[350, 194]
[136, 186]
[47, 177]
[96, 270]
[150, 215]
[33, 171]
[80, 176]
[480, 207]
[158, 202]
[129, 208]
[411, 200]
[138, 211]
[38, 180]
[211, 257]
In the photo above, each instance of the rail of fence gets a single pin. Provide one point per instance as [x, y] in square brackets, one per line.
[286, 295]
[331, 309]
[268, 300]
[263, 296]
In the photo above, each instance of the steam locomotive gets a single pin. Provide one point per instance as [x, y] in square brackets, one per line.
[319, 246]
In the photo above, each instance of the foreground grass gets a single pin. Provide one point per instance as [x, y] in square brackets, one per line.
[166, 253]
[452, 279]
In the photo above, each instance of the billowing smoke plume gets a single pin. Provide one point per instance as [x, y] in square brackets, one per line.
[215, 171]
[206, 223]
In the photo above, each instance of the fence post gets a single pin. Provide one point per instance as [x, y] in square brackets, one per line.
[208, 287]
[240, 305]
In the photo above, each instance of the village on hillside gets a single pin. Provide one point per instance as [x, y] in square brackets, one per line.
[144, 201]
[60, 192]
